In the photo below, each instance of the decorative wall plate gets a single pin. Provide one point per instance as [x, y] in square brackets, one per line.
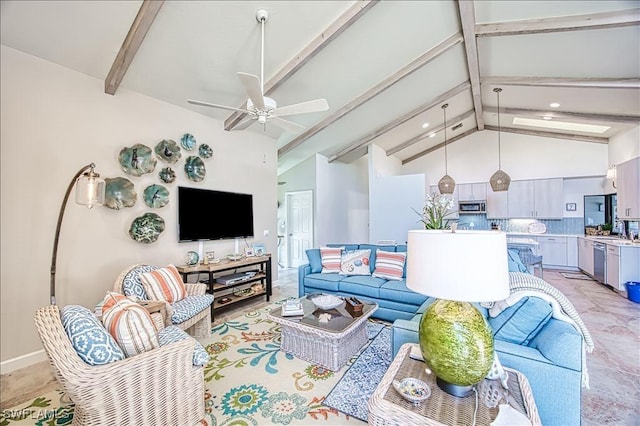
[188, 141]
[167, 175]
[156, 196]
[168, 151]
[194, 168]
[146, 228]
[119, 192]
[137, 160]
[191, 258]
[205, 151]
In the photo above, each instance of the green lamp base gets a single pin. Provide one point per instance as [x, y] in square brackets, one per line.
[457, 344]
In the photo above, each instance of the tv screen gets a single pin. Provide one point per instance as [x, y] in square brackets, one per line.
[205, 214]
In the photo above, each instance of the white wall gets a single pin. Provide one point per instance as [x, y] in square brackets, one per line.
[54, 121]
[576, 189]
[624, 146]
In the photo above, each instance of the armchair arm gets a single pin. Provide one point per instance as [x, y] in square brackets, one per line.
[403, 331]
[303, 271]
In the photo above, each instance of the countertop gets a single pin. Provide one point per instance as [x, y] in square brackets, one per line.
[602, 239]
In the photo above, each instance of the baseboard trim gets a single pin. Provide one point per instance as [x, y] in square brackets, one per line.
[13, 364]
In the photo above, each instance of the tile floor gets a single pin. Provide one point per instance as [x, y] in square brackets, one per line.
[614, 365]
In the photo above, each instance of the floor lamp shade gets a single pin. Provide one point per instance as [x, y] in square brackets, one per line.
[457, 268]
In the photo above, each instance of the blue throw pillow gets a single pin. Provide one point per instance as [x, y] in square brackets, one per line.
[315, 260]
[173, 334]
[521, 322]
[89, 338]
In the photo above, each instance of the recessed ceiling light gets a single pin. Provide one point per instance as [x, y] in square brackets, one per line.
[561, 125]
[554, 105]
[425, 125]
[432, 135]
[547, 117]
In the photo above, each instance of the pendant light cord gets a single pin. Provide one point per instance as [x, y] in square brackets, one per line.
[444, 109]
[498, 90]
[262, 60]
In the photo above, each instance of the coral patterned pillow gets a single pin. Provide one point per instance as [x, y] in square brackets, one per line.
[331, 258]
[389, 265]
[164, 284]
[355, 262]
[129, 324]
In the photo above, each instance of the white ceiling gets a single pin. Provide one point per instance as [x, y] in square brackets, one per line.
[194, 49]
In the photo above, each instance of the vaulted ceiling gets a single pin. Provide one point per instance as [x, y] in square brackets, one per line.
[385, 68]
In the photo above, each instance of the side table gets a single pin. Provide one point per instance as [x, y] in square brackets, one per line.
[156, 307]
[387, 407]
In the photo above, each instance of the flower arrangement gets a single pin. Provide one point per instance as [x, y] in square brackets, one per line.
[436, 208]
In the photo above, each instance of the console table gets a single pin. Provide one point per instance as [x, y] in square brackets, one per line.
[230, 294]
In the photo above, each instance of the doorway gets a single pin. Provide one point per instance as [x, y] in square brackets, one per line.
[299, 227]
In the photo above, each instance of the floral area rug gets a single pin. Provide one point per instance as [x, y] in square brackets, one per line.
[248, 381]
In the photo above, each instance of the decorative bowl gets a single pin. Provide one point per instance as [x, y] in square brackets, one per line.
[327, 301]
[413, 390]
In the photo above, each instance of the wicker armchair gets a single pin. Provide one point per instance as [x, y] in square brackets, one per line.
[199, 325]
[158, 387]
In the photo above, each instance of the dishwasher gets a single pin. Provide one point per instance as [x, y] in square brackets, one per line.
[600, 262]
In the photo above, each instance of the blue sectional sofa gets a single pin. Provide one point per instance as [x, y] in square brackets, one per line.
[394, 299]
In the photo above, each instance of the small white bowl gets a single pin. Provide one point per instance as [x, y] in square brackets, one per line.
[327, 301]
[413, 390]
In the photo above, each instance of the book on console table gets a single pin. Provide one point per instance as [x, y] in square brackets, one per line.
[292, 308]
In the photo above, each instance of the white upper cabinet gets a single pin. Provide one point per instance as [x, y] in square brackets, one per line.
[521, 202]
[541, 199]
[497, 204]
[628, 185]
[472, 191]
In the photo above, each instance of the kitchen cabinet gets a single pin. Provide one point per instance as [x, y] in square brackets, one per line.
[553, 250]
[628, 185]
[623, 265]
[613, 266]
[572, 252]
[541, 199]
[585, 255]
[497, 204]
[472, 191]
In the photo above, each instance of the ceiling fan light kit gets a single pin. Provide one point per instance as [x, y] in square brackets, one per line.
[499, 181]
[263, 109]
[446, 184]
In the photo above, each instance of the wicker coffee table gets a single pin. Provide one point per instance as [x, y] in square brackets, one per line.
[387, 407]
[328, 344]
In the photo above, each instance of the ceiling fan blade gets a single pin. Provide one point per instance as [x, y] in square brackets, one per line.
[286, 125]
[207, 104]
[252, 85]
[246, 122]
[302, 108]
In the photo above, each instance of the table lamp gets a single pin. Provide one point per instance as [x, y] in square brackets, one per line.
[457, 267]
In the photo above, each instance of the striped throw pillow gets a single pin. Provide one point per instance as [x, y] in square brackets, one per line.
[389, 265]
[331, 259]
[164, 284]
[129, 324]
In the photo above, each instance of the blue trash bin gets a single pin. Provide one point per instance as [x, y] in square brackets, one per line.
[633, 291]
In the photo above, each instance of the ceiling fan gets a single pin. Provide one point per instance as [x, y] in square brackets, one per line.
[261, 108]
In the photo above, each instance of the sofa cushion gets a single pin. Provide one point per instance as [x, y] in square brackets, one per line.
[328, 282]
[331, 257]
[521, 322]
[174, 334]
[89, 338]
[374, 248]
[190, 306]
[361, 285]
[315, 261]
[164, 284]
[131, 284]
[129, 323]
[355, 262]
[397, 291]
[389, 265]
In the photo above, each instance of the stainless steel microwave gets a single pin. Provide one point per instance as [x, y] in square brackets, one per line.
[472, 207]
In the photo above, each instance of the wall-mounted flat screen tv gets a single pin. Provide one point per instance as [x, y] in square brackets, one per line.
[205, 214]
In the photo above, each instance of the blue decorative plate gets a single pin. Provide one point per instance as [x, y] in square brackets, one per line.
[194, 168]
[167, 175]
[188, 141]
[137, 160]
[205, 151]
[146, 228]
[156, 196]
[191, 258]
[168, 151]
[118, 193]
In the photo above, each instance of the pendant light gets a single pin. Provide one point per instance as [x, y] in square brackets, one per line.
[499, 180]
[446, 184]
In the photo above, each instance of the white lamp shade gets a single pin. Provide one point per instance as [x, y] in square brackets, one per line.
[468, 266]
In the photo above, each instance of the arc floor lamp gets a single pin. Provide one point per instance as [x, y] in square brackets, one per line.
[89, 192]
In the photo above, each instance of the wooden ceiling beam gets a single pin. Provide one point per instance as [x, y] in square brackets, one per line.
[399, 147]
[567, 115]
[592, 21]
[388, 82]
[369, 137]
[438, 146]
[468, 21]
[584, 83]
[542, 134]
[337, 27]
[141, 24]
